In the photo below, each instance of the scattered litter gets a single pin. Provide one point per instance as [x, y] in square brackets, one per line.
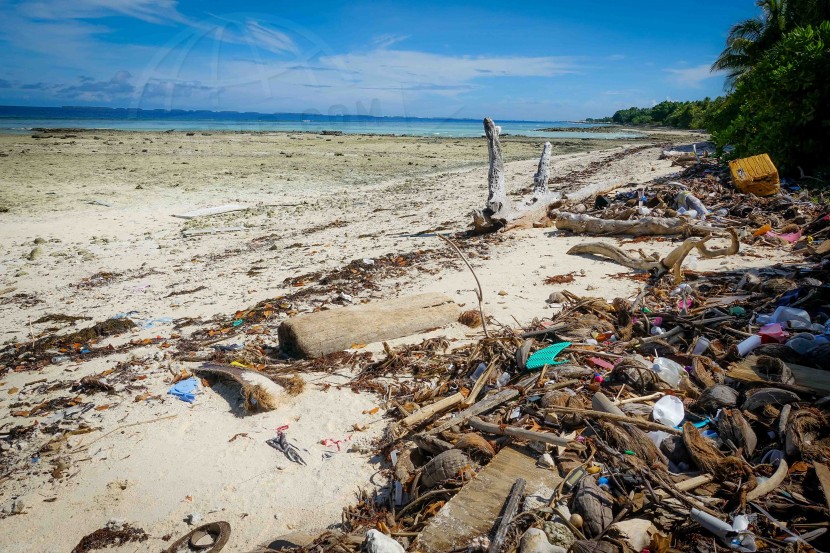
[185, 390]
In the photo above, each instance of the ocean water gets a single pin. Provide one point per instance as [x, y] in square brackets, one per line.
[21, 120]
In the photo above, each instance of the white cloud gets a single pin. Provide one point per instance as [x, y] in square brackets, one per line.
[414, 70]
[691, 76]
[272, 40]
[152, 11]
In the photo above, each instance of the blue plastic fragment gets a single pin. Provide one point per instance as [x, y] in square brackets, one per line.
[546, 356]
[185, 390]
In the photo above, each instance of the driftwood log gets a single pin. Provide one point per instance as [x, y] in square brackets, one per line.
[647, 226]
[672, 262]
[499, 213]
[324, 332]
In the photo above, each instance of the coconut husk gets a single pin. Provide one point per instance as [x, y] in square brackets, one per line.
[471, 318]
[259, 392]
[734, 427]
[808, 434]
[473, 443]
[633, 372]
[582, 326]
[765, 399]
[590, 501]
[708, 458]
[675, 450]
[716, 397]
[703, 451]
[773, 369]
[625, 436]
[658, 348]
[774, 287]
[625, 322]
[705, 371]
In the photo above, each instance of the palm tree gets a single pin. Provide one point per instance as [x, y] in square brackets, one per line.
[748, 40]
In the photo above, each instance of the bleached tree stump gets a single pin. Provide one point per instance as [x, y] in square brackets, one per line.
[540, 179]
[499, 213]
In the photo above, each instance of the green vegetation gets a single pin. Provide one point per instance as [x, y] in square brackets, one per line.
[782, 106]
[778, 77]
[680, 115]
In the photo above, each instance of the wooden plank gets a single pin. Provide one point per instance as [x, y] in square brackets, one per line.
[474, 510]
[207, 211]
[324, 332]
[823, 474]
[806, 378]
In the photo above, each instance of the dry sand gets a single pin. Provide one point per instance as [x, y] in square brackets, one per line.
[311, 210]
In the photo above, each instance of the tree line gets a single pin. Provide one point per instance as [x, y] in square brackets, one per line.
[777, 69]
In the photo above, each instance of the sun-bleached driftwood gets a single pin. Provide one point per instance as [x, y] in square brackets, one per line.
[647, 226]
[672, 262]
[518, 433]
[590, 190]
[499, 212]
[324, 332]
[260, 392]
[429, 411]
[540, 179]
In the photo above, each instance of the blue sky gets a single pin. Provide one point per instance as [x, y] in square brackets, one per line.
[511, 60]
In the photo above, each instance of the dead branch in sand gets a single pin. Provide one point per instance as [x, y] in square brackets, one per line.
[647, 226]
[672, 262]
[499, 212]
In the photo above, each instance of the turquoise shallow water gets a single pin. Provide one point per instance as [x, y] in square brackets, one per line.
[20, 120]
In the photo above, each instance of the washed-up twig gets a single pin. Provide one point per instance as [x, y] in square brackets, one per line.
[509, 510]
[648, 425]
[479, 291]
[280, 443]
[519, 433]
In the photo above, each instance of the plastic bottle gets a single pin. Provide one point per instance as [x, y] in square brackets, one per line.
[786, 314]
[479, 370]
[60, 359]
[668, 371]
[503, 379]
[749, 344]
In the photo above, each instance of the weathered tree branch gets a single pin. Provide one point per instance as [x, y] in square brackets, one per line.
[672, 262]
[647, 226]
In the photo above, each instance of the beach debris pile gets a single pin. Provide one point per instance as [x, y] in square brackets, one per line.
[693, 417]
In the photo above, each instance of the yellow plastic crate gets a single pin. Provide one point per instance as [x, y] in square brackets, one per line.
[755, 175]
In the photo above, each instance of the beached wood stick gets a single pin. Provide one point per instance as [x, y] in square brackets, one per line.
[433, 409]
[672, 262]
[646, 425]
[647, 226]
[489, 402]
[510, 509]
[540, 179]
[592, 189]
[520, 433]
